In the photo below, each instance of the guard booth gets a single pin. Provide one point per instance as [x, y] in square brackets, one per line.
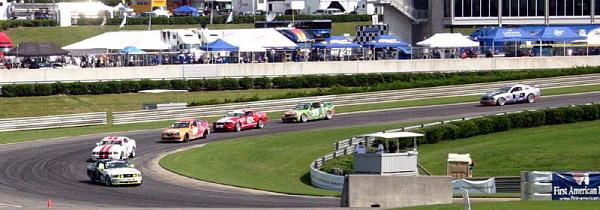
[459, 166]
[399, 156]
[388, 177]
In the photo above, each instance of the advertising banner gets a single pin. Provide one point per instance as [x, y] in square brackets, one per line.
[576, 186]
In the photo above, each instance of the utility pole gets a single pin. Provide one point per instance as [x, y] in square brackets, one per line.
[212, 8]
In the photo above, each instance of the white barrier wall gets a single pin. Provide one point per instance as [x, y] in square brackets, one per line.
[290, 69]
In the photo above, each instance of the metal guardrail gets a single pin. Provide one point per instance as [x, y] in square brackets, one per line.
[345, 147]
[345, 99]
[55, 121]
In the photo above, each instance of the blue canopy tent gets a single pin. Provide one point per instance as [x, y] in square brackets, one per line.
[341, 43]
[561, 34]
[336, 42]
[220, 45]
[389, 41]
[186, 10]
[558, 34]
[497, 37]
[131, 50]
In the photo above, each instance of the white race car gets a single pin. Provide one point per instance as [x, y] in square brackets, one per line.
[511, 94]
[115, 148]
[113, 172]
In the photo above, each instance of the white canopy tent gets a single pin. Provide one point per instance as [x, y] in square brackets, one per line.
[250, 40]
[448, 40]
[593, 37]
[117, 40]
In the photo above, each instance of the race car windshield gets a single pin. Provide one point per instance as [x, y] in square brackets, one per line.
[111, 143]
[117, 165]
[181, 125]
[302, 106]
[504, 89]
[235, 114]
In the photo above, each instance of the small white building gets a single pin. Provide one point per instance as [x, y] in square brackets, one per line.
[69, 11]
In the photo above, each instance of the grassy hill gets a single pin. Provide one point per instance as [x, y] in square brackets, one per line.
[63, 36]
[280, 162]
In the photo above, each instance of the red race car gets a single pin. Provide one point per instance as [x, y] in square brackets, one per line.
[241, 119]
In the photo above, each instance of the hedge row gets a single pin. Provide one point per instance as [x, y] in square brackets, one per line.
[498, 123]
[188, 20]
[336, 84]
[6, 24]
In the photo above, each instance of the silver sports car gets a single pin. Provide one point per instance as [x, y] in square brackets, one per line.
[511, 94]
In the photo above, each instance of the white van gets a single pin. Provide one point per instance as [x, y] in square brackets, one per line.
[329, 11]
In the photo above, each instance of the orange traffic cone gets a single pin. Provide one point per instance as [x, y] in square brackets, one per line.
[49, 203]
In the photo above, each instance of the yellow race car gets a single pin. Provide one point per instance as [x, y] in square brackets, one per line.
[186, 130]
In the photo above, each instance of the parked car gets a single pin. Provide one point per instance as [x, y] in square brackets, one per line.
[241, 119]
[186, 130]
[329, 11]
[113, 172]
[115, 148]
[511, 94]
[309, 111]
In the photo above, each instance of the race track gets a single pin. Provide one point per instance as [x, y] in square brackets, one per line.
[33, 172]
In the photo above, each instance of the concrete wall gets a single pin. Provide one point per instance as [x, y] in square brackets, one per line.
[398, 191]
[290, 69]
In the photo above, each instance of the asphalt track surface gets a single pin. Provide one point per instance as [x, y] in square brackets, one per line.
[32, 172]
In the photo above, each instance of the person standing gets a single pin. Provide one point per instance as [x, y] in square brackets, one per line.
[360, 148]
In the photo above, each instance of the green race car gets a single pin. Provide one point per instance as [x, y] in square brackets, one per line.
[309, 111]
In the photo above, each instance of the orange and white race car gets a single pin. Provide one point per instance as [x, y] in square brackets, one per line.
[186, 130]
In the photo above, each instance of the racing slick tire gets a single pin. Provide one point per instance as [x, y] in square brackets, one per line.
[328, 115]
[260, 124]
[132, 155]
[186, 138]
[303, 118]
[238, 127]
[501, 101]
[92, 180]
[530, 98]
[107, 181]
[205, 134]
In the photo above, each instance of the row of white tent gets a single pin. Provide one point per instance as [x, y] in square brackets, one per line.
[248, 40]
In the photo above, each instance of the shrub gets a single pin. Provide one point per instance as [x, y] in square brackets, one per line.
[179, 85]
[485, 125]
[230, 84]
[501, 123]
[147, 84]
[246, 83]
[78, 88]
[281, 82]
[591, 112]
[59, 88]
[114, 87]
[467, 128]
[213, 84]
[196, 85]
[131, 86]
[262, 83]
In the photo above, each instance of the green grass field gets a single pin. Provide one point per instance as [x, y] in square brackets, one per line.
[19, 136]
[517, 205]
[54, 105]
[276, 162]
[569, 147]
[63, 36]
[509, 153]
[280, 162]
